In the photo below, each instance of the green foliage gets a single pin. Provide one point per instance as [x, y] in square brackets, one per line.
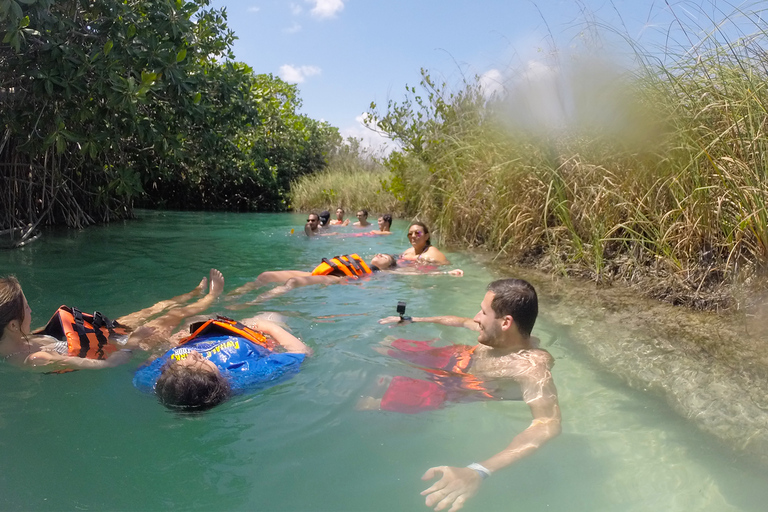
[676, 185]
[353, 180]
[139, 102]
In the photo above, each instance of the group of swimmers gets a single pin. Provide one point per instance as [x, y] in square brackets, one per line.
[318, 223]
[209, 359]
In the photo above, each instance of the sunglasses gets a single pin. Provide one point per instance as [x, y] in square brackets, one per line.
[415, 233]
[313, 220]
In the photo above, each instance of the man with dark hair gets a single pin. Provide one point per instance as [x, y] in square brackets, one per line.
[362, 219]
[506, 364]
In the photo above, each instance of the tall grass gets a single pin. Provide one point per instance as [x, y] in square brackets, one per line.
[671, 185]
[352, 180]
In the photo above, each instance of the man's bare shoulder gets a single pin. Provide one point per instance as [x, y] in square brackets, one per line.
[528, 363]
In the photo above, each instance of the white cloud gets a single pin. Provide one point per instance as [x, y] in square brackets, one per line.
[293, 29]
[378, 144]
[491, 82]
[326, 8]
[296, 9]
[254, 9]
[296, 75]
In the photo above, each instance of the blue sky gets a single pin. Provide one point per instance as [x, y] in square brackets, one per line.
[344, 54]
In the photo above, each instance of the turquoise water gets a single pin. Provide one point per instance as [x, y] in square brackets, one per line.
[89, 441]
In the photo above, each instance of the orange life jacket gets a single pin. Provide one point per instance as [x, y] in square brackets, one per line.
[87, 336]
[351, 265]
[224, 325]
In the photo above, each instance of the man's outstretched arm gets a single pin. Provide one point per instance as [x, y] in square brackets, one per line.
[456, 485]
[450, 321]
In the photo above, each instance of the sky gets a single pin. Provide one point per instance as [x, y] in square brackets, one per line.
[345, 54]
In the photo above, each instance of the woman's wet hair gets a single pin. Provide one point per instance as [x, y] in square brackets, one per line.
[324, 217]
[190, 388]
[517, 298]
[11, 302]
[387, 218]
[392, 263]
[424, 227]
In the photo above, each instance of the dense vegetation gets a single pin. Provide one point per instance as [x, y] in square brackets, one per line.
[108, 104]
[663, 180]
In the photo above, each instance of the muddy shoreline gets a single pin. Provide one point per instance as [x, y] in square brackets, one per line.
[709, 367]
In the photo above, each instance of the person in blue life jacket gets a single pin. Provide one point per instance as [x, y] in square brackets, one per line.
[220, 357]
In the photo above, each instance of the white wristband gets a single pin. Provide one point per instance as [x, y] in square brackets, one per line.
[483, 471]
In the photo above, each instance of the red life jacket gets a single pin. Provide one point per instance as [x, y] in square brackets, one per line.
[87, 336]
[224, 325]
[350, 265]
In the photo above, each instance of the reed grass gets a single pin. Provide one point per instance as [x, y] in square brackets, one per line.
[350, 181]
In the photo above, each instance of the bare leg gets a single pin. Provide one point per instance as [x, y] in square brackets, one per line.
[294, 282]
[139, 317]
[273, 276]
[160, 329]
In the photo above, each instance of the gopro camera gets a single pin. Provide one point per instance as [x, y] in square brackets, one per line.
[401, 312]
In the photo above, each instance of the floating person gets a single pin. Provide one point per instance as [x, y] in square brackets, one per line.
[362, 219]
[330, 271]
[422, 250]
[506, 363]
[339, 220]
[222, 357]
[71, 339]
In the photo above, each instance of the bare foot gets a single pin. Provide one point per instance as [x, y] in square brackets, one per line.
[201, 287]
[217, 283]
[368, 403]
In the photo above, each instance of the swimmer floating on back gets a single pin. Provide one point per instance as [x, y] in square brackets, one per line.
[326, 274]
[20, 346]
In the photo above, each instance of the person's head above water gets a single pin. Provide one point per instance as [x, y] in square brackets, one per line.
[339, 213]
[313, 220]
[383, 262]
[324, 216]
[418, 234]
[192, 383]
[516, 298]
[15, 313]
[385, 222]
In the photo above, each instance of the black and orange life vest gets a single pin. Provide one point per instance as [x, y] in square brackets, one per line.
[224, 325]
[350, 265]
[87, 336]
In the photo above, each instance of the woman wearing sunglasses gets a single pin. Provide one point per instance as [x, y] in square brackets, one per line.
[422, 250]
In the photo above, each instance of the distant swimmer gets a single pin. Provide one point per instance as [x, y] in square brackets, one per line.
[312, 227]
[339, 221]
[329, 271]
[422, 250]
[385, 223]
[362, 219]
[506, 351]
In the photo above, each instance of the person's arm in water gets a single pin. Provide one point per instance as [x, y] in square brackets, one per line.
[456, 485]
[294, 282]
[43, 358]
[285, 339]
[410, 271]
[450, 321]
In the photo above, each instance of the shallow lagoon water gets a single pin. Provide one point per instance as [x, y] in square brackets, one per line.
[88, 440]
